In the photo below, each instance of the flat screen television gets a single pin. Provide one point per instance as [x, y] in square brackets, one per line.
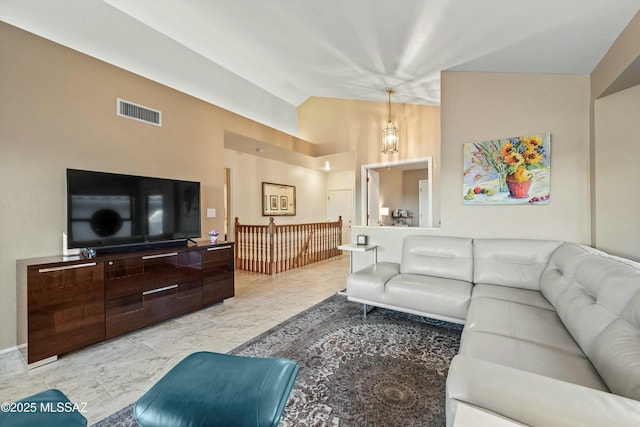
[111, 212]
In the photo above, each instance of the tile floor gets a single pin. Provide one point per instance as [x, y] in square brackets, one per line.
[110, 375]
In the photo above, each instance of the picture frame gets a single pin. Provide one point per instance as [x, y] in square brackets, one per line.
[507, 171]
[278, 199]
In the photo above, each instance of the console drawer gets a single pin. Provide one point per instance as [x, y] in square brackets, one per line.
[131, 312]
[218, 258]
[132, 276]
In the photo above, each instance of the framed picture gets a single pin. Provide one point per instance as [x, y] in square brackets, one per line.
[278, 199]
[509, 171]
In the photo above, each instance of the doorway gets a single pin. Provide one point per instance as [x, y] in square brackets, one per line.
[227, 203]
[340, 204]
[371, 195]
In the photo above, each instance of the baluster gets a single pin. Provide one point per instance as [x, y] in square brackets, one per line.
[244, 248]
[322, 251]
[276, 244]
[247, 251]
[255, 230]
[264, 256]
[300, 242]
[282, 238]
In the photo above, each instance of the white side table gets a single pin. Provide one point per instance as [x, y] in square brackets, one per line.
[352, 247]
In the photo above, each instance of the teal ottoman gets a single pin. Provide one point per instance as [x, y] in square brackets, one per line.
[50, 408]
[212, 389]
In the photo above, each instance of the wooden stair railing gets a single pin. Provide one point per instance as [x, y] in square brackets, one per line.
[273, 248]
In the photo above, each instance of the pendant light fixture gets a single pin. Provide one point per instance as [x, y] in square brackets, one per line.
[390, 133]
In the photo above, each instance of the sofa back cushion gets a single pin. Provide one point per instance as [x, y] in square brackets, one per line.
[601, 289]
[511, 262]
[561, 269]
[616, 352]
[447, 257]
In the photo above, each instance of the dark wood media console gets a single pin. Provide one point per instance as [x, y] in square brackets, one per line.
[66, 303]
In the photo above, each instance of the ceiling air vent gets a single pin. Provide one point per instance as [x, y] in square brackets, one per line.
[138, 112]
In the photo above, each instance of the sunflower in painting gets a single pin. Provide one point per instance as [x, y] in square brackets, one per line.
[522, 154]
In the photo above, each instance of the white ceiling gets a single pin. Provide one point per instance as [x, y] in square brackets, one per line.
[356, 49]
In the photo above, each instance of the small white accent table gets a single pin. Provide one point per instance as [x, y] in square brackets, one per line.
[352, 247]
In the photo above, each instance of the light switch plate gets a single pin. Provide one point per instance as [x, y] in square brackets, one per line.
[211, 213]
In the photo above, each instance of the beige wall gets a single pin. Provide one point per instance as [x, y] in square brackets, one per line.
[247, 174]
[482, 106]
[614, 129]
[339, 125]
[617, 127]
[620, 56]
[57, 111]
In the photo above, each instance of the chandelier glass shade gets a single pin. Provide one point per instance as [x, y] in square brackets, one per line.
[390, 133]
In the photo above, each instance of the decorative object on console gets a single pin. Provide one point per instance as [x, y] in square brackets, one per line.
[362, 239]
[88, 253]
[384, 211]
[401, 218]
[213, 235]
[390, 133]
[507, 171]
[278, 199]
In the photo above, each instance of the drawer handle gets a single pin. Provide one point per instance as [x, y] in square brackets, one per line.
[67, 267]
[153, 291]
[217, 248]
[160, 255]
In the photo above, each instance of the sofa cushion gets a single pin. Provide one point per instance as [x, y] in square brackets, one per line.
[447, 257]
[531, 357]
[598, 294]
[561, 269]
[616, 352]
[511, 262]
[532, 399]
[446, 299]
[369, 283]
[523, 322]
[517, 295]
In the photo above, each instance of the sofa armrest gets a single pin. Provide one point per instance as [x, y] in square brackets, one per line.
[369, 282]
[534, 399]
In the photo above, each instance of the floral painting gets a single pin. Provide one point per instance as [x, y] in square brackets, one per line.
[507, 171]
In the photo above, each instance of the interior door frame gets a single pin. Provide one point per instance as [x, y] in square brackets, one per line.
[429, 212]
[364, 169]
[373, 206]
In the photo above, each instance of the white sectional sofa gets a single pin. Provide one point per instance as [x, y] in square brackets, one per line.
[552, 329]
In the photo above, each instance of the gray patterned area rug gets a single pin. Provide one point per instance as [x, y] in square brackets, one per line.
[386, 370]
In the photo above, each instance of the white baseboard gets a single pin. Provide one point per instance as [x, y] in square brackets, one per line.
[10, 349]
